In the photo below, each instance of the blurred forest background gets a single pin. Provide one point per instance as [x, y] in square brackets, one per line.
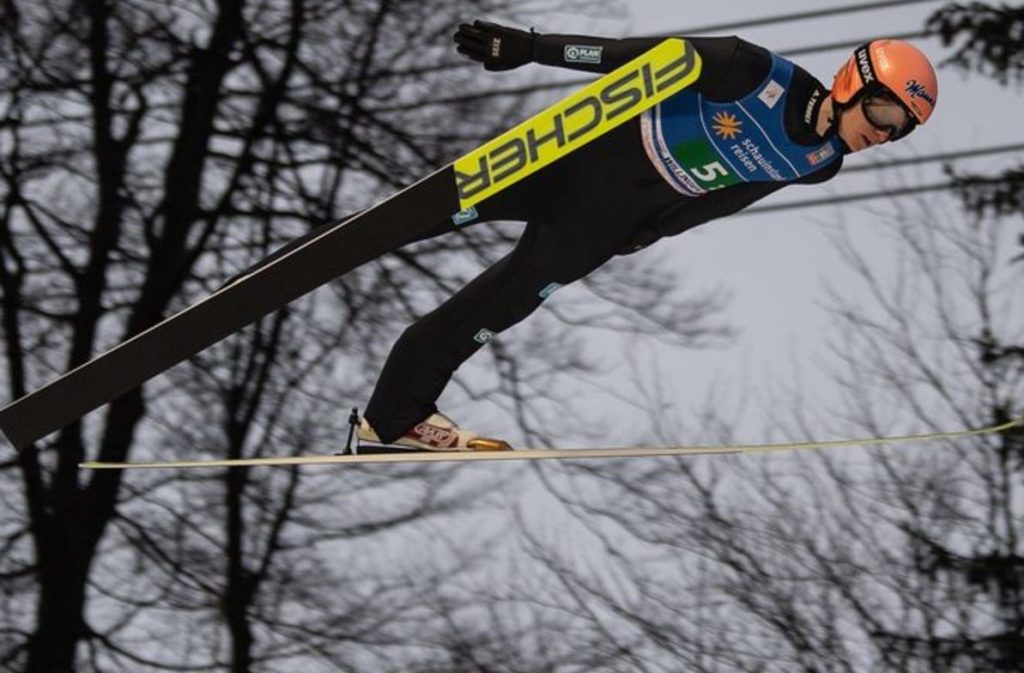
[151, 150]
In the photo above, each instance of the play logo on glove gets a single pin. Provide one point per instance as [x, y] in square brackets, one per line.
[578, 53]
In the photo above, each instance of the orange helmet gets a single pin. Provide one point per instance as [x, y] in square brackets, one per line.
[891, 66]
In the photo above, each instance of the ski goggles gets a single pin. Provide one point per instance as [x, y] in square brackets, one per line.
[886, 113]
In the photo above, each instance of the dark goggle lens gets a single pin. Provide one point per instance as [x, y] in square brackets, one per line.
[888, 115]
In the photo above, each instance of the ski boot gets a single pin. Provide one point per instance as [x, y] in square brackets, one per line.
[436, 433]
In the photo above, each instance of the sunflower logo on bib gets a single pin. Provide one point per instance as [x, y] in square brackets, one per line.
[726, 125]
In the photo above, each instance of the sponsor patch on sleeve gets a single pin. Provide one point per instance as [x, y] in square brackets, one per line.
[579, 53]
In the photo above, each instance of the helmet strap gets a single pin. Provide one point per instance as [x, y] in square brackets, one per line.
[835, 113]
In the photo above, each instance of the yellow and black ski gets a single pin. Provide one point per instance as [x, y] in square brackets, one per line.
[544, 138]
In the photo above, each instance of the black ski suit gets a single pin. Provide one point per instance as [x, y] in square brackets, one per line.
[604, 199]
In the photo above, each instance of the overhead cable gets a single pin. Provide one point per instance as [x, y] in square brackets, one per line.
[932, 158]
[847, 45]
[801, 16]
[887, 193]
[847, 198]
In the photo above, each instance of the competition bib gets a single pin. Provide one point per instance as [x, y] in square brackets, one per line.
[698, 145]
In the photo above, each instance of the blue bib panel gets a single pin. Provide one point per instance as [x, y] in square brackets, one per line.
[699, 146]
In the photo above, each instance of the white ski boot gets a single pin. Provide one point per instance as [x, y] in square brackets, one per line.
[436, 433]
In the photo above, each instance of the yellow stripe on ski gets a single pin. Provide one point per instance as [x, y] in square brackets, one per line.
[542, 454]
[585, 115]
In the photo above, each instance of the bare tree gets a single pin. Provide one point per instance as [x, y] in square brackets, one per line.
[988, 42]
[906, 558]
[149, 152]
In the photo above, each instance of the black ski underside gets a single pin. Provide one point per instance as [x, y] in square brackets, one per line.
[337, 251]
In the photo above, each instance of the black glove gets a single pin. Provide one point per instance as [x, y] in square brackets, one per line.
[497, 47]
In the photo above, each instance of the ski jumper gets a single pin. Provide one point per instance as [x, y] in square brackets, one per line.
[744, 130]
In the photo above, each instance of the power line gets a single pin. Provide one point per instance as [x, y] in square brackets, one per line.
[847, 45]
[801, 16]
[931, 158]
[903, 191]
[834, 200]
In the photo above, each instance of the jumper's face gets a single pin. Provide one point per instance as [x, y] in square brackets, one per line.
[857, 132]
[872, 121]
